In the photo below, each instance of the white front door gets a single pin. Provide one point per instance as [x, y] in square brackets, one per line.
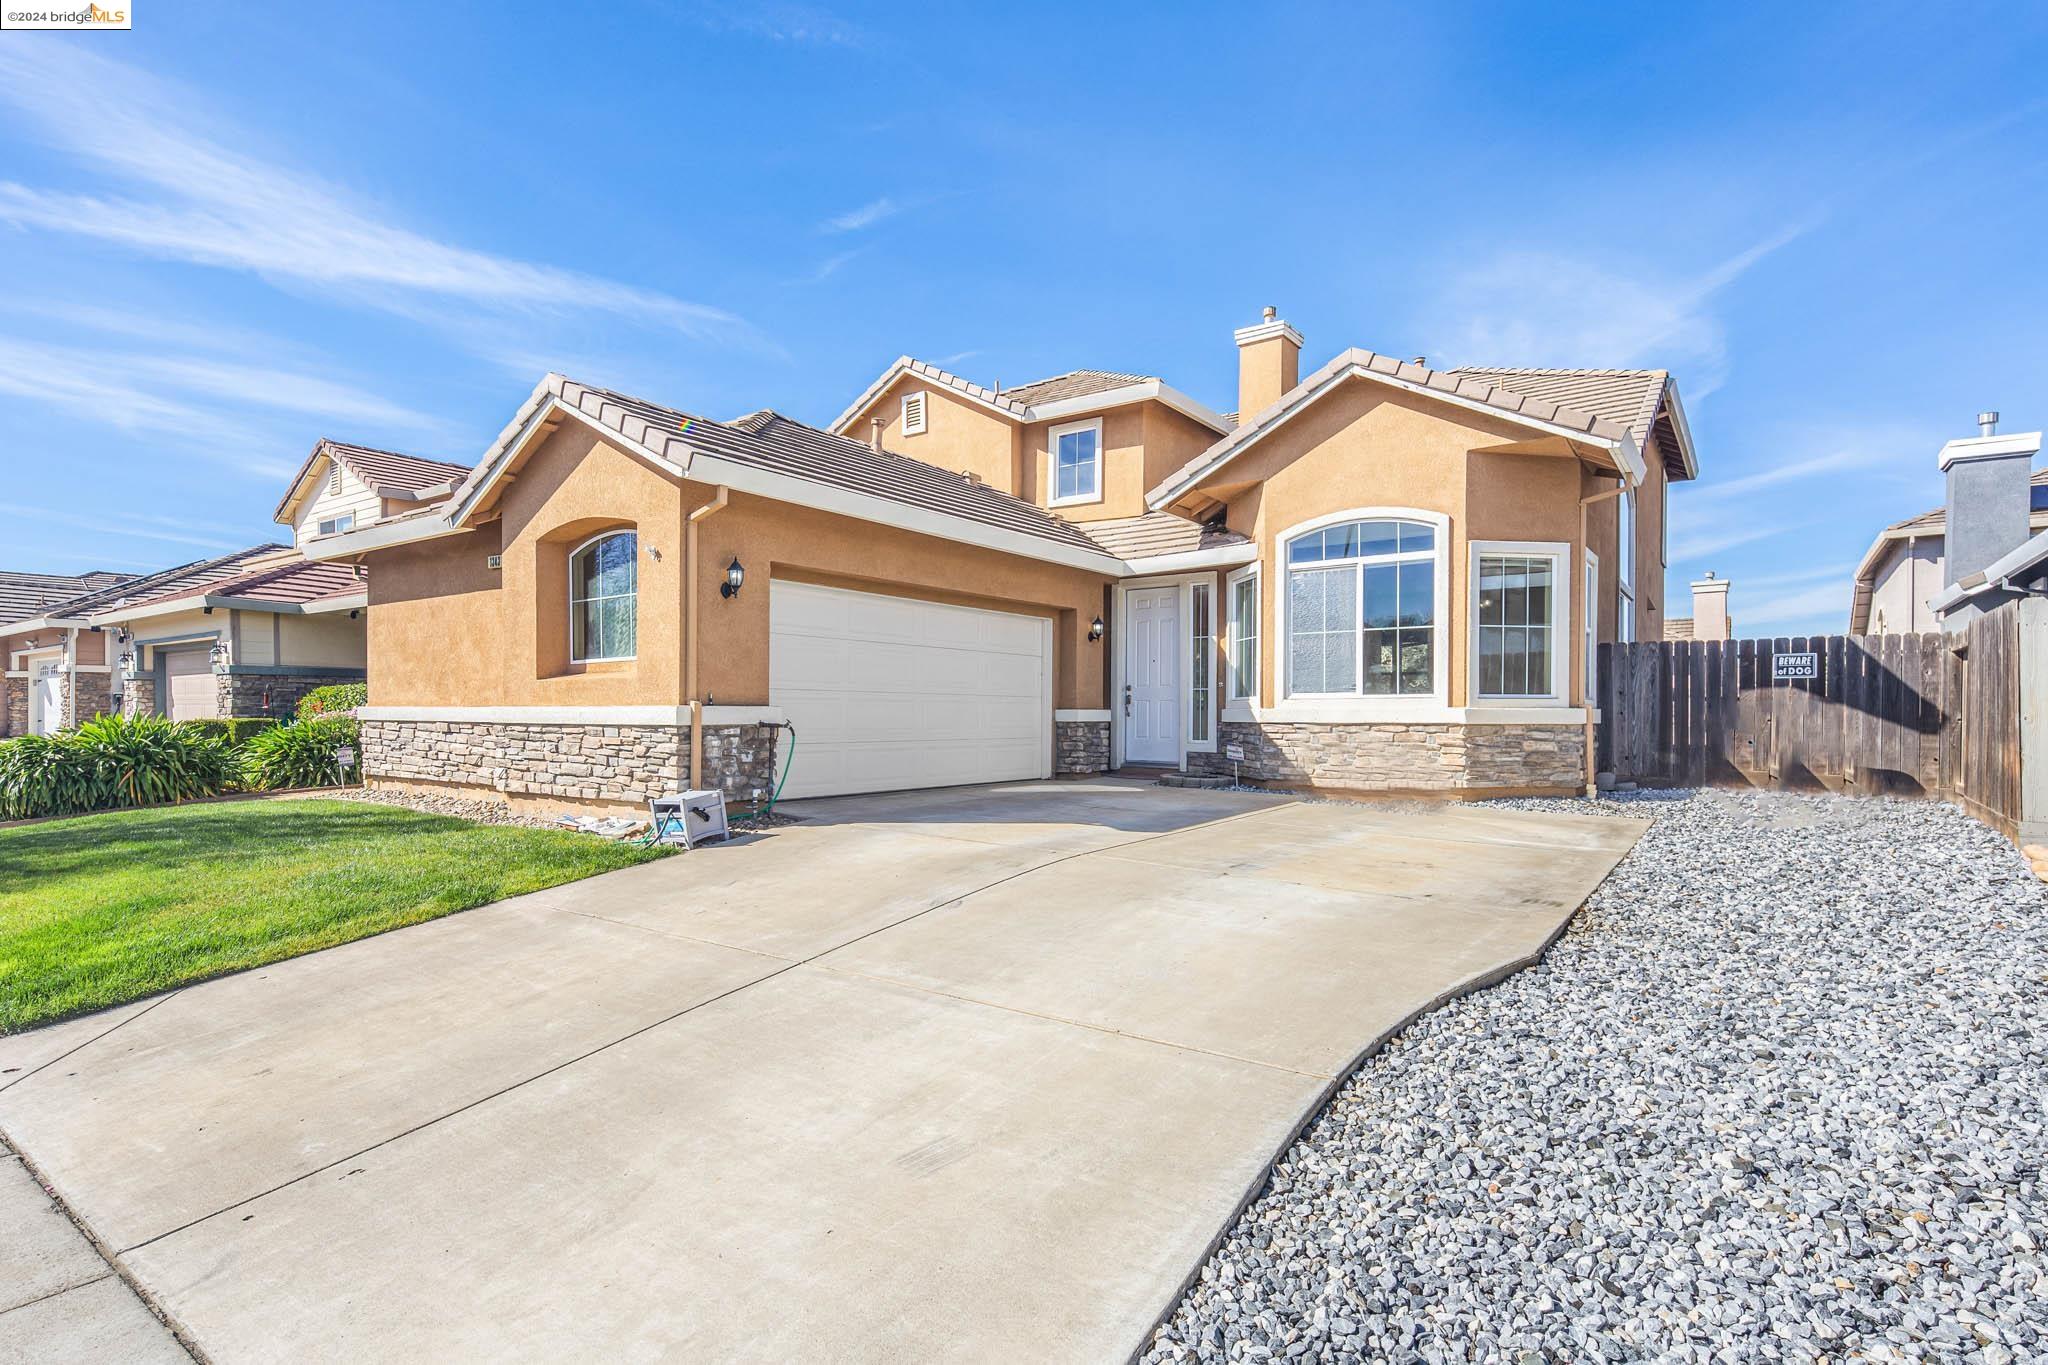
[46, 700]
[1152, 676]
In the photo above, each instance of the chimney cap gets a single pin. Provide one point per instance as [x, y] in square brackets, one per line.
[1270, 313]
[1987, 423]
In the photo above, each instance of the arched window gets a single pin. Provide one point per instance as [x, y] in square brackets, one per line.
[604, 581]
[1362, 609]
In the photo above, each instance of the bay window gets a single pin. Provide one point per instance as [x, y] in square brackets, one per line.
[1361, 604]
[1519, 645]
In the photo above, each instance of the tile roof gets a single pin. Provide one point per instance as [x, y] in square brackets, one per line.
[780, 445]
[1633, 398]
[1158, 533]
[184, 578]
[293, 582]
[24, 595]
[1073, 384]
[1468, 385]
[393, 475]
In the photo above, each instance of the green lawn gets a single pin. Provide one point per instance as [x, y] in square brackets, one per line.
[103, 909]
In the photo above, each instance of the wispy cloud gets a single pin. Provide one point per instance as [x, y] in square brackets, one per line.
[1821, 600]
[1545, 308]
[116, 524]
[866, 216]
[195, 198]
[1714, 540]
[956, 357]
[828, 267]
[782, 23]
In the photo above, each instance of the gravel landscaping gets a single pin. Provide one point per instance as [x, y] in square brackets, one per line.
[1777, 1095]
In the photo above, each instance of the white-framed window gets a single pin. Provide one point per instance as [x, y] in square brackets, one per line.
[1590, 612]
[914, 413]
[333, 525]
[1520, 617]
[1242, 594]
[1201, 665]
[1362, 602]
[604, 584]
[1625, 572]
[1076, 473]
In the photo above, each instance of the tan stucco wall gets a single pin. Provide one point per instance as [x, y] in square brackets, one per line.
[958, 434]
[1368, 446]
[446, 631]
[329, 639]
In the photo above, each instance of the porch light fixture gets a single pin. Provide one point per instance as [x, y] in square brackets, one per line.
[1095, 629]
[735, 576]
[219, 655]
[128, 664]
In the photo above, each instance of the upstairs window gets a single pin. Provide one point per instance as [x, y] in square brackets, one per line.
[1077, 462]
[333, 525]
[604, 583]
[1362, 610]
[914, 413]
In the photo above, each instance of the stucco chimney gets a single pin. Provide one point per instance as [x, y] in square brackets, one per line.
[1988, 498]
[1268, 363]
[1710, 609]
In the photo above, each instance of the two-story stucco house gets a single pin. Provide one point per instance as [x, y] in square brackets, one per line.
[1381, 577]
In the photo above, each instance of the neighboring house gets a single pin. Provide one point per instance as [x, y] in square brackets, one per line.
[34, 682]
[1709, 619]
[1996, 554]
[1906, 567]
[343, 488]
[239, 634]
[1380, 579]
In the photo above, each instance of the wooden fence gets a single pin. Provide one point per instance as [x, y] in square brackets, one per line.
[1931, 714]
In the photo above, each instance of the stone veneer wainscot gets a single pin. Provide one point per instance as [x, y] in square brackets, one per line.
[1080, 747]
[1451, 757]
[572, 764]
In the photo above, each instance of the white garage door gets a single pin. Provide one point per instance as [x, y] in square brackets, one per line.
[889, 692]
[188, 677]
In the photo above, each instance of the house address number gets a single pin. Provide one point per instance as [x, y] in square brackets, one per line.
[1795, 667]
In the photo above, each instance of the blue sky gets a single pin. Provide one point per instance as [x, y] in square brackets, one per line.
[236, 229]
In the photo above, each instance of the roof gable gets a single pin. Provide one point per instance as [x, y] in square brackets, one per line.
[24, 595]
[1063, 395]
[1470, 391]
[387, 473]
[1644, 401]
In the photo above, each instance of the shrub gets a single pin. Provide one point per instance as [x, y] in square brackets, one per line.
[110, 762]
[235, 731]
[298, 754]
[334, 697]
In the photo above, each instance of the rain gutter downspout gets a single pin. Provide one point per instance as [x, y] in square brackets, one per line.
[717, 504]
[1585, 681]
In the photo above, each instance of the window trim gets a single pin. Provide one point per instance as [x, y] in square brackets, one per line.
[569, 591]
[1559, 552]
[1589, 679]
[1231, 695]
[1188, 743]
[1440, 683]
[1052, 463]
[923, 400]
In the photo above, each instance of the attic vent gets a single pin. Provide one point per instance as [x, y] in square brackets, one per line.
[334, 477]
[913, 414]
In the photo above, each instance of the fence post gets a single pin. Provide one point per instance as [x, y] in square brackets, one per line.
[2033, 687]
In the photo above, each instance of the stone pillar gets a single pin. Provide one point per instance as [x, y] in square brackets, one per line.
[1080, 747]
[138, 696]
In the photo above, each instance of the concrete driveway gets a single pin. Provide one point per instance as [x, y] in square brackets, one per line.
[975, 1073]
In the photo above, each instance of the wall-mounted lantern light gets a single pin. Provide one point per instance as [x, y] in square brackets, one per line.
[1095, 629]
[735, 576]
[220, 656]
[128, 664]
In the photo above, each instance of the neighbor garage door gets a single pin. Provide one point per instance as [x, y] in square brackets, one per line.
[889, 692]
[189, 683]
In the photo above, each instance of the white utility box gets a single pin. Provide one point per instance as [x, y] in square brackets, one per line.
[688, 818]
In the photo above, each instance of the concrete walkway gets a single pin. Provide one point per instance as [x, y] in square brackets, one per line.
[976, 1073]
